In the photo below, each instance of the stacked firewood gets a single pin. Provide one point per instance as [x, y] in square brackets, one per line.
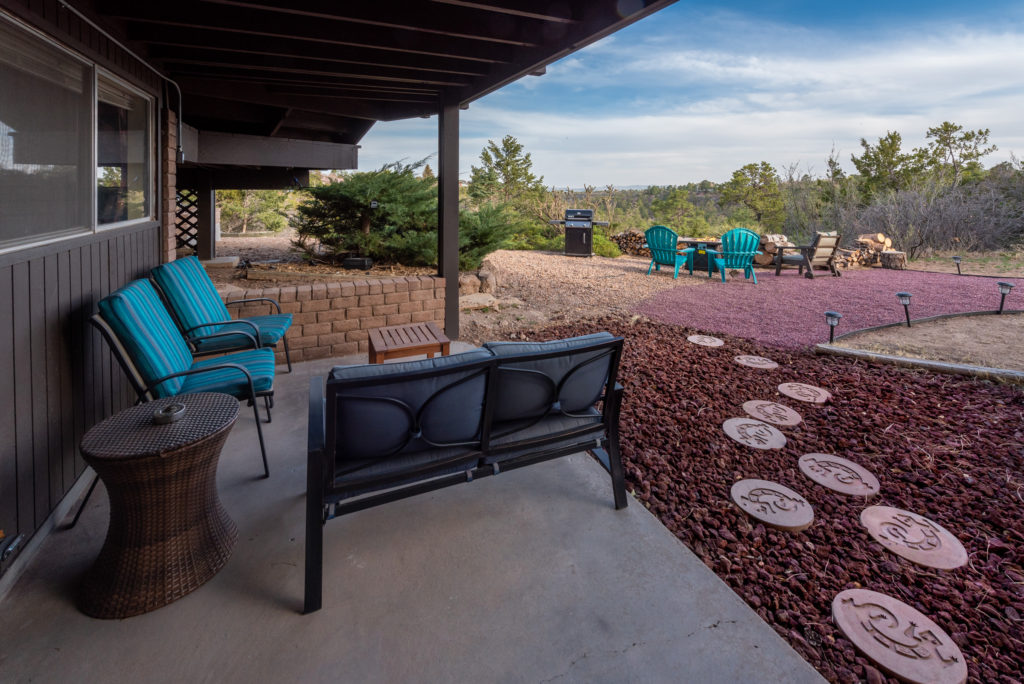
[868, 252]
[769, 247]
[631, 242]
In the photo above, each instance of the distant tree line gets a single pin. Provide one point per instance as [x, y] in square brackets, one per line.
[938, 197]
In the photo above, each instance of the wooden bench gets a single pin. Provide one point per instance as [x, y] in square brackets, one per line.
[395, 341]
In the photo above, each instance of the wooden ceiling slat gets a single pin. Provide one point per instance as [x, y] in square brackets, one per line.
[189, 13]
[468, 23]
[176, 45]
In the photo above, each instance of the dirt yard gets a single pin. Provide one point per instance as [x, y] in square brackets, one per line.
[993, 341]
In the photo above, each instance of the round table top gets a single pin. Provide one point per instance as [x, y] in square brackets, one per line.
[133, 434]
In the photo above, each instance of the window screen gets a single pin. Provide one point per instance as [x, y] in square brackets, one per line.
[122, 174]
[45, 140]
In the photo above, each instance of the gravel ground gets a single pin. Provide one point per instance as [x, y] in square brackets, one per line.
[788, 310]
[948, 448]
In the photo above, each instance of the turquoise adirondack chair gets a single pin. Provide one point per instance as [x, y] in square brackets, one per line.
[739, 246]
[662, 242]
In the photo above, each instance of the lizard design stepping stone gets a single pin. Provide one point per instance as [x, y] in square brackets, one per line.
[754, 433]
[772, 412]
[914, 537]
[802, 392]
[705, 340]
[755, 361]
[773, 504]
[901, 640]
[839, 474]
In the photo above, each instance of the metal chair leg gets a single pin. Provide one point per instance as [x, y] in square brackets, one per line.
[259, 432]
[287, 353]
[269, 403]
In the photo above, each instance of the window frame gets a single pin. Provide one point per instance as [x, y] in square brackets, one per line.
[93, 226]
[99, 71]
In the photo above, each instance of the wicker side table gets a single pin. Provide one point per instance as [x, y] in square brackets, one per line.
[168, 531]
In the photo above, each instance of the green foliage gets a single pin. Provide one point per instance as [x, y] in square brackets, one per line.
[957, 151]
[482, 232]
[886, 168]
[674, 209]
[391, 197]
[604, 247]
[535, 235]
[253, 210]
[756, 187]
[504, 176]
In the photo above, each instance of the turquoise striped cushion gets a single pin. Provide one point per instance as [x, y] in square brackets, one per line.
[259, 363]
[139, 319]
[272, 329]
[190, 294]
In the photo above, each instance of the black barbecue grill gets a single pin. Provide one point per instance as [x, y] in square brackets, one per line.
[579, 231]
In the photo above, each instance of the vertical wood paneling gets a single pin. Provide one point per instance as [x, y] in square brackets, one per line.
[40, 432]
[21, 324]
[8, 441]
[53, 400]
[81, 307]
[67, 320]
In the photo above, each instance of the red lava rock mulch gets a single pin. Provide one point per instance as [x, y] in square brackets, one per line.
[945, 447]
[789, 310]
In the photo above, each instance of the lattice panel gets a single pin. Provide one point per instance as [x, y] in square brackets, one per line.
[186, 219]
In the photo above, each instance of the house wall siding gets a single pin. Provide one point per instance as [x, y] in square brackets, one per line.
[57, 378]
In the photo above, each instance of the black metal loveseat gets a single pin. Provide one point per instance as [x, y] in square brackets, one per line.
[378, 433]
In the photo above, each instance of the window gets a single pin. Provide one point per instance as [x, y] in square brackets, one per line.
[122, 147]
[75, 144]
[45, 140]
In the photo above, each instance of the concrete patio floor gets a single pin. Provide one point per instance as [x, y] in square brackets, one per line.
[531, 576]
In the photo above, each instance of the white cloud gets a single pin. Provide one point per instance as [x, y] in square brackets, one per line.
[688, 114]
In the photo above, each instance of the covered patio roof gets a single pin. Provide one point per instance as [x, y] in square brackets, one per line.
[327, 71]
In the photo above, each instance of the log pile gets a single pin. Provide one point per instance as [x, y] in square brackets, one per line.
[870, 247]
[769, 247]
[631, 242]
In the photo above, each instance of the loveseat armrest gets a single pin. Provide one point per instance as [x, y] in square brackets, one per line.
[315, 513]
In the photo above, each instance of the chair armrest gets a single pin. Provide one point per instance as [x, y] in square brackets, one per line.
[316, 436]
[232, 333]
[254, 337]
[196, 371]
[255, 299]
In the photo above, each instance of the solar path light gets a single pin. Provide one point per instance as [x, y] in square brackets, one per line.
[832, 318]
[904, 298]
[956, 260]
[1004, 289]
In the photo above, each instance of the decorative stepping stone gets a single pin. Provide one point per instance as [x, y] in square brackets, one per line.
[802, 392]
[705, 340]
[838, 474]
[754, 433]
[773, 504]
[914, 537]
[899, 639]
[772, 412]
[755, 361]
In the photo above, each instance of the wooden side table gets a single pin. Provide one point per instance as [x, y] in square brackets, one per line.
[395, 341]
[168, 531]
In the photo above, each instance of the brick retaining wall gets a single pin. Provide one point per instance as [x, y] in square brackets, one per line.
[334, 319]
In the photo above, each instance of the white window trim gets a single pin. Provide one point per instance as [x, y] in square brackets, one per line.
[93, 227]
[151, 119]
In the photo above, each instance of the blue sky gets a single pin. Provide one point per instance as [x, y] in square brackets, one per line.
[698, 90]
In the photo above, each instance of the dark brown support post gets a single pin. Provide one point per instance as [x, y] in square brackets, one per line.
[448, 214]
[206, 240]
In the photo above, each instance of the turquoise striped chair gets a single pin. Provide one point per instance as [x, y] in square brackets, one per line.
[202, 315]
[159, 363]
[739, 246]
